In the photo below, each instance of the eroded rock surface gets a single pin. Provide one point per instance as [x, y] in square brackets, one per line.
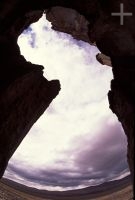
[68, 21]
[103, 59]
[24, 96]
[122, 99]
[91, 21]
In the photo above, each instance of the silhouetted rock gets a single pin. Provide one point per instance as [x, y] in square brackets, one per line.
[103, 59]
[25, 94]
[69, 21]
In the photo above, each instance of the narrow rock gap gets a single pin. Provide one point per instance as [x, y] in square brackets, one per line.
[62, 147]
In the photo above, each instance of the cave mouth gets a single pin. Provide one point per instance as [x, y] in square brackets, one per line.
[78, 142]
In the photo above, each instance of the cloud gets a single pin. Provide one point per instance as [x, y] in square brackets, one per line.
[31, 36]
[78, 142]
[48, 178]
[95, 160]
[105, 154]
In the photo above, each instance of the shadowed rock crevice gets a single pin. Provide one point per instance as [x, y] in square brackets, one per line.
[24, 96]
[25, 93]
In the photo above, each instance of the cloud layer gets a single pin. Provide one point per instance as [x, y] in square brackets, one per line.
[78, 142]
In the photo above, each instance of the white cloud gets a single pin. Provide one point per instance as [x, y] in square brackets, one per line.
[80, 108]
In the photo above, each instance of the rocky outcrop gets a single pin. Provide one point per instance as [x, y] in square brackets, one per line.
[90, 21]
[24, 92]
[69, 21]
[21, 104]
[103, 59]
[122, 100]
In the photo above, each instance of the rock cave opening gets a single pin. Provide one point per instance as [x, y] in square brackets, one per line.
[78, 141]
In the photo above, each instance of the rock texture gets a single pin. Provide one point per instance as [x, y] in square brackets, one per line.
[122, 99]
[88, 20]
[69, 21]
[103, 59]
[24, 93]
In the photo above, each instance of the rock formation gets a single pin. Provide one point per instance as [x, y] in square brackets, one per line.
[25, 94]
[69, 21]
[103, 59]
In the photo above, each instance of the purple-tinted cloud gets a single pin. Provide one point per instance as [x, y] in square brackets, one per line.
[106, 154]
[99, 161]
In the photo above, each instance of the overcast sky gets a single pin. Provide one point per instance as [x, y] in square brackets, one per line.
[78, 141]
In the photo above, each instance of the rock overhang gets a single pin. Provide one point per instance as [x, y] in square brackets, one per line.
[111, 38]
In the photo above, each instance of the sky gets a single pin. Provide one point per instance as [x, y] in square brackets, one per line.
[78, 141]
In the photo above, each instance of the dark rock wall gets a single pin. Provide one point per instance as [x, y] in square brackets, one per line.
[25, 94]
[122, 99]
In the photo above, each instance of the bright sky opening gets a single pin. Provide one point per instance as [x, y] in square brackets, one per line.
[78, 141]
